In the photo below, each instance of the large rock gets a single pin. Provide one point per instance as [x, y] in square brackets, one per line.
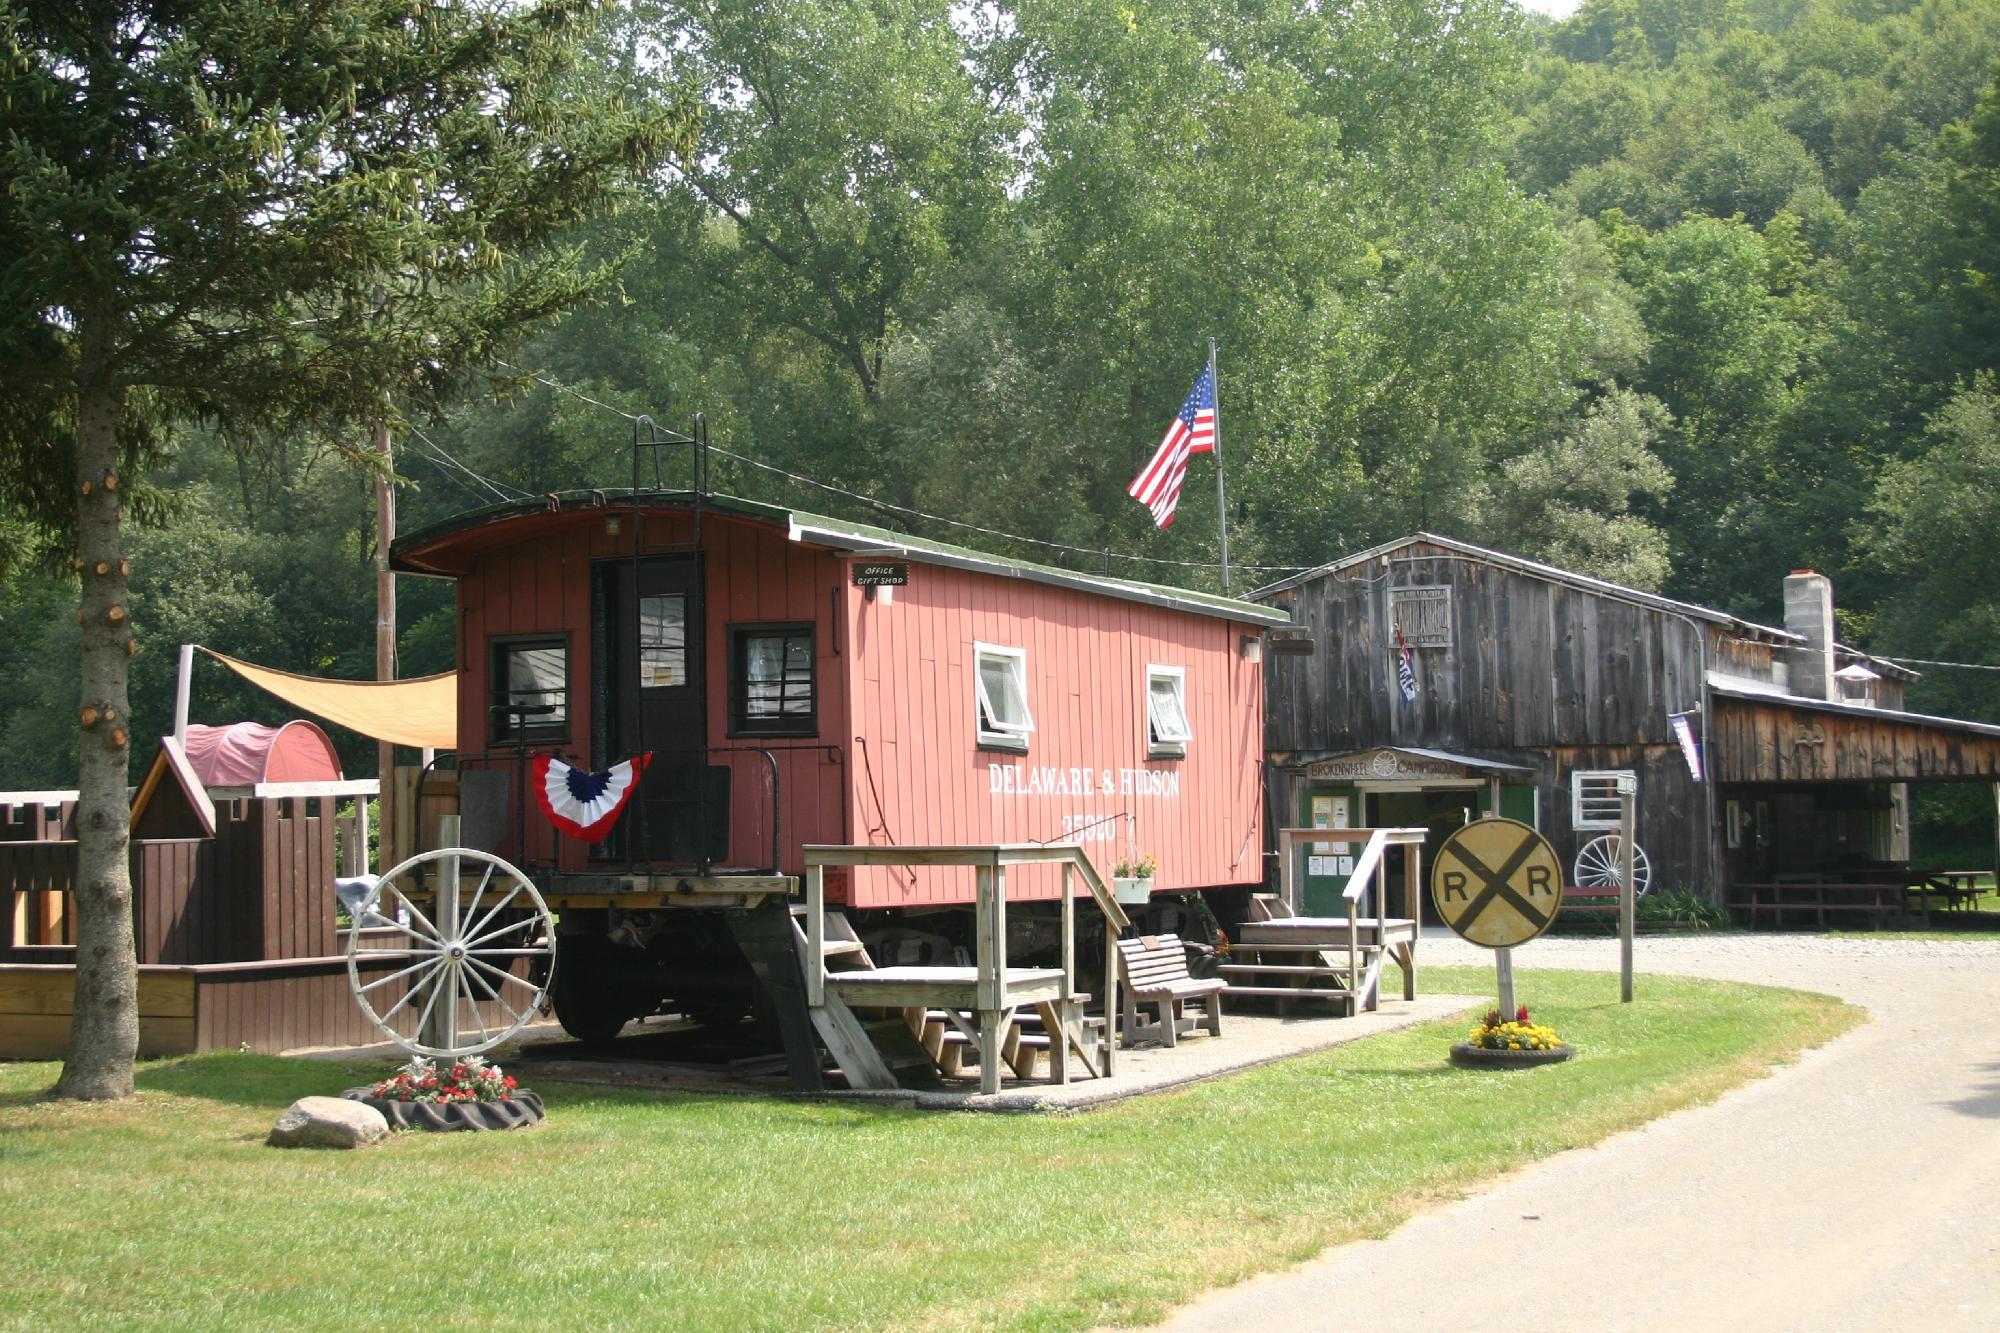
[328, 1122]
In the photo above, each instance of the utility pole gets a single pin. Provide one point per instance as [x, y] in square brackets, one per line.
[385, 639]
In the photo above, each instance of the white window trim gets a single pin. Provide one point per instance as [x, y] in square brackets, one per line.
[1586, 776]
[1005, 735]
[1167, 747]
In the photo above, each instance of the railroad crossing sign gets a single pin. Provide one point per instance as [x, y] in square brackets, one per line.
[1497, 883]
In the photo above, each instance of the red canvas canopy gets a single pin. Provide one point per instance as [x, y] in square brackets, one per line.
[244, 753]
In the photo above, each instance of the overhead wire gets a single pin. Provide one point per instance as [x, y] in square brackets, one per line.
[444, 456]
[1093, 553]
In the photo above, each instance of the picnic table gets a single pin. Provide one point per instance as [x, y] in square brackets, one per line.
[1958, 888]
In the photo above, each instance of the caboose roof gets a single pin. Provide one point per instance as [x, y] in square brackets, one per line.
[423, 551]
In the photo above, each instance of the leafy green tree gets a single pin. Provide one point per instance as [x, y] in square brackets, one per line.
[1569, 501]
[242, 212]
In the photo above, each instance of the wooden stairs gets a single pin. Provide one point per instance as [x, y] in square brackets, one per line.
[910, 1041]
[1283, 959]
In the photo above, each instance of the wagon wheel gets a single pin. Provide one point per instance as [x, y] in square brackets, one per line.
[459, 981]
[1597, 866]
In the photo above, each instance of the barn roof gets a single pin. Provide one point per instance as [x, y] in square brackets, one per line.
[1535, 569]
[837, 534]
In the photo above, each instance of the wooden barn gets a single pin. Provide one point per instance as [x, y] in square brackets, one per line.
[801, 680]
[1535, 688]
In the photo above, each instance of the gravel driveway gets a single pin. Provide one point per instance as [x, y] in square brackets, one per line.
[1857, 1189]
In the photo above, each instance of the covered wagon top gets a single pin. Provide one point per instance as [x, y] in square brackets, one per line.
[448, 548]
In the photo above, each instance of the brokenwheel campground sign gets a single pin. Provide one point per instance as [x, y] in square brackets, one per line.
[1497, 883]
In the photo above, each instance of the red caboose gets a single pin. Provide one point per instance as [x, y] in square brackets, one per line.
[801, 680]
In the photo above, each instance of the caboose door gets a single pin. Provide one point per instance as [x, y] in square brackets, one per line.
[651, 680]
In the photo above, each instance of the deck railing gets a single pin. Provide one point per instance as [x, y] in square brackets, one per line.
[1367, 873]
[989, 864]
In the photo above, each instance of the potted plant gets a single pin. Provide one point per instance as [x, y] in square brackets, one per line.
[467, 1093]
[1132, 879]
[1510, 1045]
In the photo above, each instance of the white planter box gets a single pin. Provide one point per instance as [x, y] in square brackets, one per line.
[1138, 891]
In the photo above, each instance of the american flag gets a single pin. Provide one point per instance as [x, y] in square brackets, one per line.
[1406, 673]
[1158, 486]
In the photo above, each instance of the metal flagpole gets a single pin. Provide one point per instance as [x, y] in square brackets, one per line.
[1221, 494]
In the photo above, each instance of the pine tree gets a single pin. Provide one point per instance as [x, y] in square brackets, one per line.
[254, 212]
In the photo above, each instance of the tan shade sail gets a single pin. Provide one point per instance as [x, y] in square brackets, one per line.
[422, 713]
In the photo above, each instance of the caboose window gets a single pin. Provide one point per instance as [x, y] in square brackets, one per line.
[663, 641]
[771, 680]
[531, 673]
[1002, 704]
[1167, 732]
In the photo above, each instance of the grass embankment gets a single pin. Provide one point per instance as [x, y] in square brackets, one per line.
[714, 1212]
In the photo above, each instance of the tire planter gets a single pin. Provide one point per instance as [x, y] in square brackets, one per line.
[1467, 1056]
[519, 1111]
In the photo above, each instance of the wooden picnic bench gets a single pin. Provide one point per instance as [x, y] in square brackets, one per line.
[1597, 904]
[1879, 903]
[1152, 969]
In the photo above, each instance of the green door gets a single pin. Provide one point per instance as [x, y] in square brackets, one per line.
[1516, 802]
[1323, 867]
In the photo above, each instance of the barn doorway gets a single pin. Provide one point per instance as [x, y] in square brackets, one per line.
[1439, 811]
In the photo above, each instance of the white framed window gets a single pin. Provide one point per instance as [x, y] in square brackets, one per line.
[1001, 696]
[1593, 797]
[1167, 731]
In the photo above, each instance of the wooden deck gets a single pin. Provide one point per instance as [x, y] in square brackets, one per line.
[945, 987]
[982, 1003]
[1288, 958]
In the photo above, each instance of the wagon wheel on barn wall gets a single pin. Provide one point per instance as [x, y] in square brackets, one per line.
[451, 953]
[1597, 866]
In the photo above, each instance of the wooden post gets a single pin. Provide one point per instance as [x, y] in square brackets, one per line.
[183, 687]
[991, 943]
[815, 935]
[1627, 898]
[1288, 887]
[1110, 1046]
[1413, 904]
[1503, 969]
[440, 1025]
[385, 616]
[1069, 929]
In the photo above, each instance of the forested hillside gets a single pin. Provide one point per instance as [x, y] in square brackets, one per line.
[1684, 293]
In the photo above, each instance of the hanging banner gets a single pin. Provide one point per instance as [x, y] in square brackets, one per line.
[1683, 724]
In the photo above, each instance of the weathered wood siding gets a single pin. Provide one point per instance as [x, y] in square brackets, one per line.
[1773, 742]
[1545, 675]
[1532, 664]
[920, 777]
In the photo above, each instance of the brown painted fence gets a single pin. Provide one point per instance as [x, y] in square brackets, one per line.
[266, 1006]
[260, 889]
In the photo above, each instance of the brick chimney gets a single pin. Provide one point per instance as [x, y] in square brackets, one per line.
[1809, 612]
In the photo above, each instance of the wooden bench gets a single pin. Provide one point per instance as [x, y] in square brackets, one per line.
[1152, 969]
[1594, 905]
[1880, 903]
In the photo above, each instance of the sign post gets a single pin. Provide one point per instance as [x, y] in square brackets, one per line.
[1497, 883]
[1628, 789]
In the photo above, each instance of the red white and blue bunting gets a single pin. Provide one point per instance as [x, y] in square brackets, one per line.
[585, 805]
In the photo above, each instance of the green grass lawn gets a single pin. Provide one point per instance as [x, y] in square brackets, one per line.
[665, 1211]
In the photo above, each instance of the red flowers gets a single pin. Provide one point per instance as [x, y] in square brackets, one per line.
[1521, 1014]
[468, 1080]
